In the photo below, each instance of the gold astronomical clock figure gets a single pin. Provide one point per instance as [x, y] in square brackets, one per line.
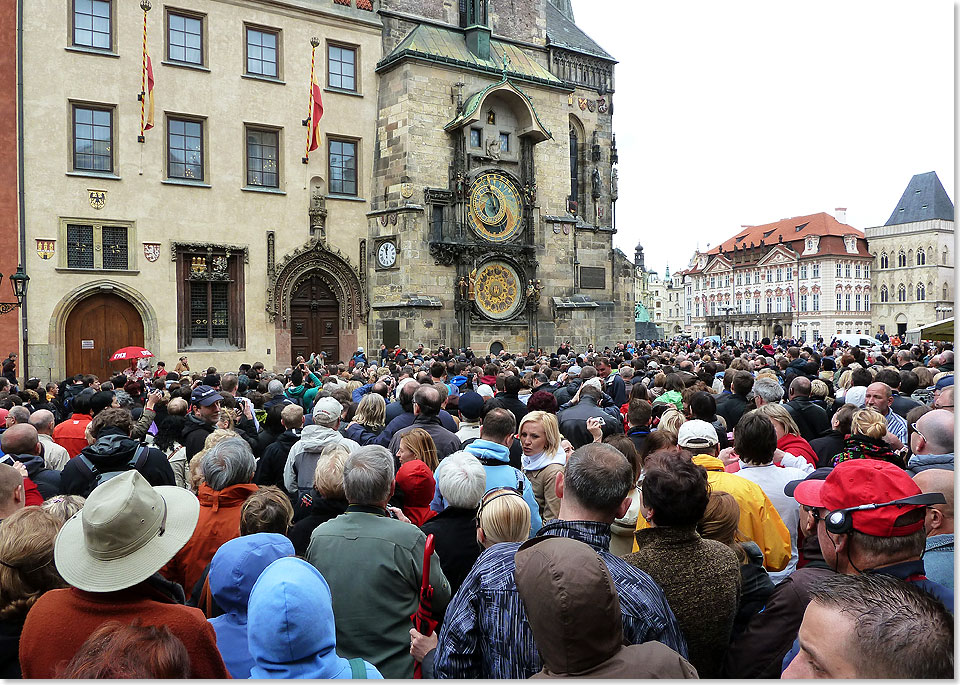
[495, 207]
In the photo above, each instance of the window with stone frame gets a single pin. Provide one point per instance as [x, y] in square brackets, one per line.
[342, 67]
[263, 157]
[884, 294]
[901, 259]
[185, 38]
[901, 293]
[342, 163]
[92, 138]
[210, 297]
[262, 52]
[816, 302]
[92, 24]
[884, 261]
[921, 257]
[816, 270]
[921, 292]
[97, 246]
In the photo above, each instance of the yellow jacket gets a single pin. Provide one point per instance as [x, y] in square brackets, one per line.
[759, 520]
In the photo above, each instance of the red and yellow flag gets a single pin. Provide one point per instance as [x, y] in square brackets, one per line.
[149, 123]
[315, 118]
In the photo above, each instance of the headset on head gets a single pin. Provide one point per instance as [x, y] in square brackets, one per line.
[840, 522]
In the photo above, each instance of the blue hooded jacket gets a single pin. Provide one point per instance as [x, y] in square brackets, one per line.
[233, 571]
[295, 635]
[503, 475]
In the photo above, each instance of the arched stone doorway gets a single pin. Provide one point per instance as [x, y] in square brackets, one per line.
[314, 319]
[317, 301]
[96, 328]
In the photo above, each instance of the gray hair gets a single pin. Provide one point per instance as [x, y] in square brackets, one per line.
[367, 475]
[123, 399]
[769, 389]
[19, 414]
[227, 463]
[275, 387]
[462, 480]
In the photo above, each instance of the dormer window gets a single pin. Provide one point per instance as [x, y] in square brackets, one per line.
[811, 244]
[850, 242]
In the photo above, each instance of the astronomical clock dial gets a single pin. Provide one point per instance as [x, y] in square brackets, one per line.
[387, 254]
[495, 207]
[498, 292]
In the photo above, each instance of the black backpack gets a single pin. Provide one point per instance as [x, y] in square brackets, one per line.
[98, 477]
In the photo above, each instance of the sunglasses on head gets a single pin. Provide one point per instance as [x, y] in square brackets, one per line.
[502, 491]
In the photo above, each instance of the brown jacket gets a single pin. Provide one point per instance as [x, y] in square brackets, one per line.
[573, 608]
[701, 579]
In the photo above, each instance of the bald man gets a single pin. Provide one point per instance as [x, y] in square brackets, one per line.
[932, 442]
[22, 443]
[811, 419]
[938, 556]
[12, 495]
[879, 397]
[943, 399]
[55, 457]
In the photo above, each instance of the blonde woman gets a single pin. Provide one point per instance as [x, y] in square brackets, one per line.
[543, 458]
[866, 440]
[64, 506]
[329, 500]
[796, 451]
[371, 413]
[671, 420]
[417, 444]
[502, 516]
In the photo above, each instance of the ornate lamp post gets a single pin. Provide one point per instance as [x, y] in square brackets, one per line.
[18, 281]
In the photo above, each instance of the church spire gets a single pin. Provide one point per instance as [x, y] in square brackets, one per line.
[565, 7]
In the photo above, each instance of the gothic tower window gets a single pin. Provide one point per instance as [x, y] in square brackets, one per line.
[473, 12]
[921, 257]
[884, 261]
[884, 294]
[574, 164]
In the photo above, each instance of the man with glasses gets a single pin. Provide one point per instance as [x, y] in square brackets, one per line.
[931, 442]
[943, 396]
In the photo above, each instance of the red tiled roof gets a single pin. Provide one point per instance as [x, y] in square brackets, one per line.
[821, 224]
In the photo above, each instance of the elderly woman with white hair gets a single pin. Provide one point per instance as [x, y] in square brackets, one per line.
[461, 480]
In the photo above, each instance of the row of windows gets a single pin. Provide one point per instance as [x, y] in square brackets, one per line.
[856, 303]
[93, 150]
[93, 28]
[920, 290]
[910, 259]
[776, 304]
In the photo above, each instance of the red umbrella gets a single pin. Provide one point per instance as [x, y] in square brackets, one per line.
[423, 619]
[130, 353]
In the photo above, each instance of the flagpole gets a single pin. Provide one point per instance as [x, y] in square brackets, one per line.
[307, 122]
[145, 6]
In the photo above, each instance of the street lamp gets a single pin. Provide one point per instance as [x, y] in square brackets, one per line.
[727, 310]
[18, 281]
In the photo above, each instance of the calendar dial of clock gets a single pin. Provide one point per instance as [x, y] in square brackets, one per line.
[495, 207]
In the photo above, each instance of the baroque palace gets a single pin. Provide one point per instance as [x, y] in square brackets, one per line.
[462, 192]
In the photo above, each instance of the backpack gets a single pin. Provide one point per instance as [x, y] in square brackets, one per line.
[297, 400]
[358, 670]
[135, 463]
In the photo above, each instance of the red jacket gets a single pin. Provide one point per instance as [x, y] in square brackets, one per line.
[219, 521]
[798, 447]
[71, 434]
[61, 620]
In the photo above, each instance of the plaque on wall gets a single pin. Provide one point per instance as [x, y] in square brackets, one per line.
[593, 277]
[498, 292]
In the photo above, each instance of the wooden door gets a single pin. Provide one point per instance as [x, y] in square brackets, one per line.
[96, 328]
[314, 320]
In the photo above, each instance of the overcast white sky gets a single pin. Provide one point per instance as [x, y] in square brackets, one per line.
[747, 112]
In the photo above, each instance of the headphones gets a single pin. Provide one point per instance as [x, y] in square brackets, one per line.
[840, 522]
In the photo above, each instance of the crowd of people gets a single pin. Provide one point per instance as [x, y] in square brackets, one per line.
[668, 509]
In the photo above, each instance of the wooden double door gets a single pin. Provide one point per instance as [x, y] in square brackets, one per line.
[96, 328]
[314, 320]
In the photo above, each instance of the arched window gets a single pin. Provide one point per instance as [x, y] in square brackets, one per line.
[901, 293]
[884, 261]
[574, 163]
[921, 257]
[921, 292]
[901, 258]
[946, 291]
[944, 259]
[884, 294]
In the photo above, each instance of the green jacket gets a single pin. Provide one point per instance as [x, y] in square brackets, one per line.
[305, 395]
[374, 567]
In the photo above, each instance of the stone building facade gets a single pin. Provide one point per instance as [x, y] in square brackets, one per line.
[491, 223]
[913, 259]
[804, 277]
[213, 239]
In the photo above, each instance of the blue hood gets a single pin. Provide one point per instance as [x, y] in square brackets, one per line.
[295, 635]
[233, 571]
[485, 449]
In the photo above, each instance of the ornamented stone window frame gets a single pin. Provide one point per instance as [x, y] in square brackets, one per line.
[98, 225]
[231, 270]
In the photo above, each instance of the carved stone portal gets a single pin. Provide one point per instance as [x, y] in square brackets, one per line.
[333, 268]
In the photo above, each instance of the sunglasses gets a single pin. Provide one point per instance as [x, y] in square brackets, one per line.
[815, 513]
[496, 493]
[913, 427]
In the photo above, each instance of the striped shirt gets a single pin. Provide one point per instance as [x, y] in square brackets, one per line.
[485, 631]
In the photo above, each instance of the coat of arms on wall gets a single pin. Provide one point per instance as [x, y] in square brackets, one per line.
[582, 102]
[151, 251]
[406, 190]
[602, 106]
[98, 198]
[46, 248]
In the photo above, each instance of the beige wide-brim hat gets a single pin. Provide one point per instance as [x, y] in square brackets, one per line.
[126, 532]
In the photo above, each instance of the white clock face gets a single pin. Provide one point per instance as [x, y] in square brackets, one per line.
[387, 254]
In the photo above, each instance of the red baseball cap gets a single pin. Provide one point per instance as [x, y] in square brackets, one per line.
[865, 481]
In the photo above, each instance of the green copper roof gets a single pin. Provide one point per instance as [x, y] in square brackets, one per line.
[447, 46]
[473, 103]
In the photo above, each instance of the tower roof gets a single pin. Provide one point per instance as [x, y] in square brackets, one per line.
[563, 33]
[923, 199]
[565, 7]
